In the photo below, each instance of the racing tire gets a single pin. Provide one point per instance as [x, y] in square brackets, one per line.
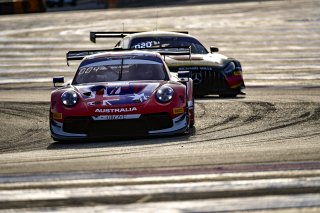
[186, 132]
[60, 3]
[73, 3]
[50, 4]
[228, 95]
[58, 140]
[192, 123]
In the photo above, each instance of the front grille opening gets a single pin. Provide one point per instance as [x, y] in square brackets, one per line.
[76, 125]
[212, 81]
[157, 121]
[130, 127]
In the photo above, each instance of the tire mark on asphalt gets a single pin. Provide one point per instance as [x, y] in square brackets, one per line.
[25, 124]
[40, 139]
[37, 128]
[201, 110]
[257, 110]
[304, 118]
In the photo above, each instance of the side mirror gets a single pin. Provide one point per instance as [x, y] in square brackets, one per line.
[57, 79]
[184, 75]
[214, 49]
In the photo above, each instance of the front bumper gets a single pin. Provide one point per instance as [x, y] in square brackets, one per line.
[145, 125]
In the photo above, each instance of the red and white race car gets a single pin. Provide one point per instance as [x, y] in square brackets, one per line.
[124, 93]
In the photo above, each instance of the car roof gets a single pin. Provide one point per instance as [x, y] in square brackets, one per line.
[123, 53]
[157, 34]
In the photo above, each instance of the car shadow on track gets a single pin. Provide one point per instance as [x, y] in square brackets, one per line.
[216, 97]
[121, 142]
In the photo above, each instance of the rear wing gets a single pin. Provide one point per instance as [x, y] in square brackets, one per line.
[165, 51]
[80, 54]
[95, 35]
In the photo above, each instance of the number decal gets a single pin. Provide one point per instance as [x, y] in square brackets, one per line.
[82, 70]
[143, 45]
[148, 44]
[87, 70]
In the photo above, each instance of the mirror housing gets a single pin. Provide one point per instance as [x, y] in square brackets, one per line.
[57, 79]
[214, 49]
[184, 75]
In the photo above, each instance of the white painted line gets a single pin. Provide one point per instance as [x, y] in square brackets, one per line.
[283, 76]
[24, 80]
[108, 179]
[154, 189]
[207, 205]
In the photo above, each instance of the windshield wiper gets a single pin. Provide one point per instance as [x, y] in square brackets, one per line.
[121, 69]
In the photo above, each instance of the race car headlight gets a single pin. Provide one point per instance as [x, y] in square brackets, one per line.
[164, 94]
[69, 98]
[229, 68]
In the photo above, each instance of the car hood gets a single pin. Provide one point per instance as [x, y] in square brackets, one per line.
[116, 93]
[209, 59]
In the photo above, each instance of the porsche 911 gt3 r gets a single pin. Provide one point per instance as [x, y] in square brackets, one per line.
[212, 73]
[127, 93]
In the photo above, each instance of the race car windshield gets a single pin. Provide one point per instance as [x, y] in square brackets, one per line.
[168, 41]
[120, 69]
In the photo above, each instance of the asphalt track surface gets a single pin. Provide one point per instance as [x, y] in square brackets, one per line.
[254, 153]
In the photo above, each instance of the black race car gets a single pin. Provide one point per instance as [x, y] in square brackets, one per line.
[212, 73]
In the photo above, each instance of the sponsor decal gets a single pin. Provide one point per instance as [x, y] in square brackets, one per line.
[117, 110]
[116, 117]
[178, 110]
[196, 68]
[57, 116]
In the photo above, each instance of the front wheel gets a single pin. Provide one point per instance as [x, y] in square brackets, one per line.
[60, 3]
[73, 3]
[192, 121]
[50, 4]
